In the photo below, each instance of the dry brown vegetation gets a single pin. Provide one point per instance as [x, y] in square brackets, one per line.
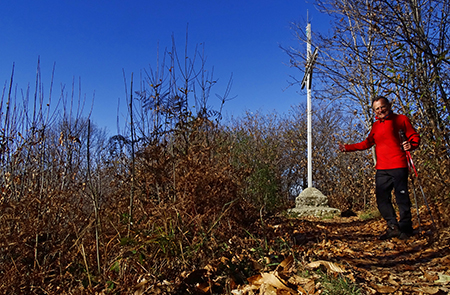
[181, 203]
[202, 200]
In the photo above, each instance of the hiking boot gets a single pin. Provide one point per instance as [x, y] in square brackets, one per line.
[405, 236]
[391, 232]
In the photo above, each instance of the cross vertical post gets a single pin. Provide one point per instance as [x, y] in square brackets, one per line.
[308, 82]
[311, 58]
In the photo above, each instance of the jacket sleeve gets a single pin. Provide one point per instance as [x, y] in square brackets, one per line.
[411, 134]
[363, 145]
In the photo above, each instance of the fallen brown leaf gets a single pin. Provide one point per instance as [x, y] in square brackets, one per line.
[329, 265]
[298, 280]
[285, 264]
[384, 289]
[430, 277]
[427, 290]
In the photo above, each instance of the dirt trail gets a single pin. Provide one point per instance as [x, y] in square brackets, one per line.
[419, 265]
[284, 256]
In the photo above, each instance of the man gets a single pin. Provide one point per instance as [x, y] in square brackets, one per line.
[391, 165]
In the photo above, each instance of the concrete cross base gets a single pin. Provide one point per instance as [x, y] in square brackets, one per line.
[315, 211]
[311, 202]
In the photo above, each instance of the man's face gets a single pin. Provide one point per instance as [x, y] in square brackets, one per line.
[381, 108]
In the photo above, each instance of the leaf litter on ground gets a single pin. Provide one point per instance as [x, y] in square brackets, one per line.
[296, 254]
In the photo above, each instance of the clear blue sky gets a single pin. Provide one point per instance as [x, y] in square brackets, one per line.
[96, 40]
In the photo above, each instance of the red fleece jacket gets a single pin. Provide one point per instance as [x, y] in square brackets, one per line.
[385, 136]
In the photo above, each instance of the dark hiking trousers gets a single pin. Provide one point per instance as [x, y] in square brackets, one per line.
[397, 179]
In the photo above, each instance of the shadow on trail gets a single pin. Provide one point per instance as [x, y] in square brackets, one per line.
[355, 242]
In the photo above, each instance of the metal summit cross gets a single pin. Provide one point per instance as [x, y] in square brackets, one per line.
[307, 79]
[311, 202]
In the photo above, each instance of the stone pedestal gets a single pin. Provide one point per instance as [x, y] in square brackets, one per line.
[311, 202]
